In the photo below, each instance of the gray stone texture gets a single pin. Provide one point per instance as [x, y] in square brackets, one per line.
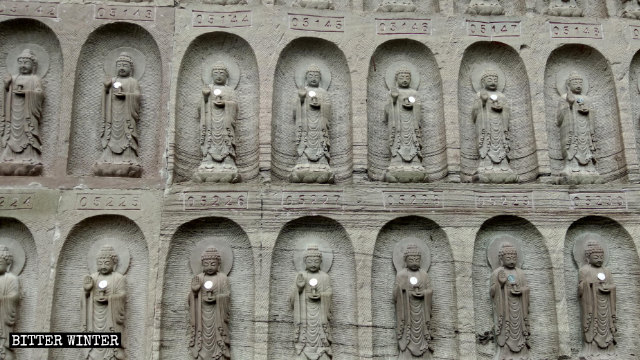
[56, 217]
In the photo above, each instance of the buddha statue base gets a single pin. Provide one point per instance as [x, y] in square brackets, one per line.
[311, 173]
[496, 177]
[393, 6]
[485, 8]
[565, 11]
[216, 174]
[406, 174]
[20, 169]
[118, 170]
[579, 179]
[632, 14]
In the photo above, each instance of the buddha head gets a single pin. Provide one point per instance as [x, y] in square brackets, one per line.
[508, 255]
[403, 78]
[210, 261]
[313, 76]
[489, 79]
[124, 65]
[412, 257]
[312, 258]
[594, 253]
[107, 260]
[6, 259]
[27, 62]
[219, 74]
[575, 83]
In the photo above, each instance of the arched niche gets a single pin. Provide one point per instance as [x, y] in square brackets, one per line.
[303, 52]
[14, 231]
[625, 269]
[434, 142]
[505, 59]
[442, 274]
[343, 282]
[72, 266]
[86, 119]
[19, 32]
[422, 6]
[216, 46]
[511, 7]
[536, 265]
[609, 154]
[177, 284]
[634, 90]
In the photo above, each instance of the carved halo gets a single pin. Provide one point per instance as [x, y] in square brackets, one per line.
[398, 253]
[119, 246]
[581, 244]
[476, 76]
[19, 256]
[232, 68]
[494, 247]
[561, 80]
[226, 255]
[41, 54]
[301, 73]
[390, 76]
[139, 61]
[323, 246]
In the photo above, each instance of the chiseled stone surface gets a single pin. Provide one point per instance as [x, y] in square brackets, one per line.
[162, 217]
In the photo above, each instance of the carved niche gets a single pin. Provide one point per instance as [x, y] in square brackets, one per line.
[209, 301]
[597, 297]
[12, 259]
[509, 292]
[20, 121]
[121, 96]
[491, 114]
[412, 295]
[104, 298]
[310, 301]
[312, 117]
[218, 117]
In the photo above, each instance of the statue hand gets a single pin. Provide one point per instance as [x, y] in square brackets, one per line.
[108, 83]
[571, 99]
[87, 283]
[484, 96]
[417, 293]
[101, 299]
[502, 277]
[196, 284]
[300, 282]
[302, 93]
[394, 95]
[206, 92]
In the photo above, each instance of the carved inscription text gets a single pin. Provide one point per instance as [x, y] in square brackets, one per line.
[600, 201]
[107, 202]
[561, 30]
[221, 19]
[223, 200]
[403, 26]
[412, 199]
[16, 201]
[493, 29]
[131, 13]
[33, 9]
[496, 200]
[316, 23]
[309, 200]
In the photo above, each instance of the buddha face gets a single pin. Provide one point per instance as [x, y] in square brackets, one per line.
[106, 265]
[413, 262]
[312, 263]
[210, 266]
[219, 76]
[490, 82]
[25, 66]
[123, 68]
[313, 78]
[509, 259]
[403, 80]
[596, 258]
[4, 266]
[575, 85]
